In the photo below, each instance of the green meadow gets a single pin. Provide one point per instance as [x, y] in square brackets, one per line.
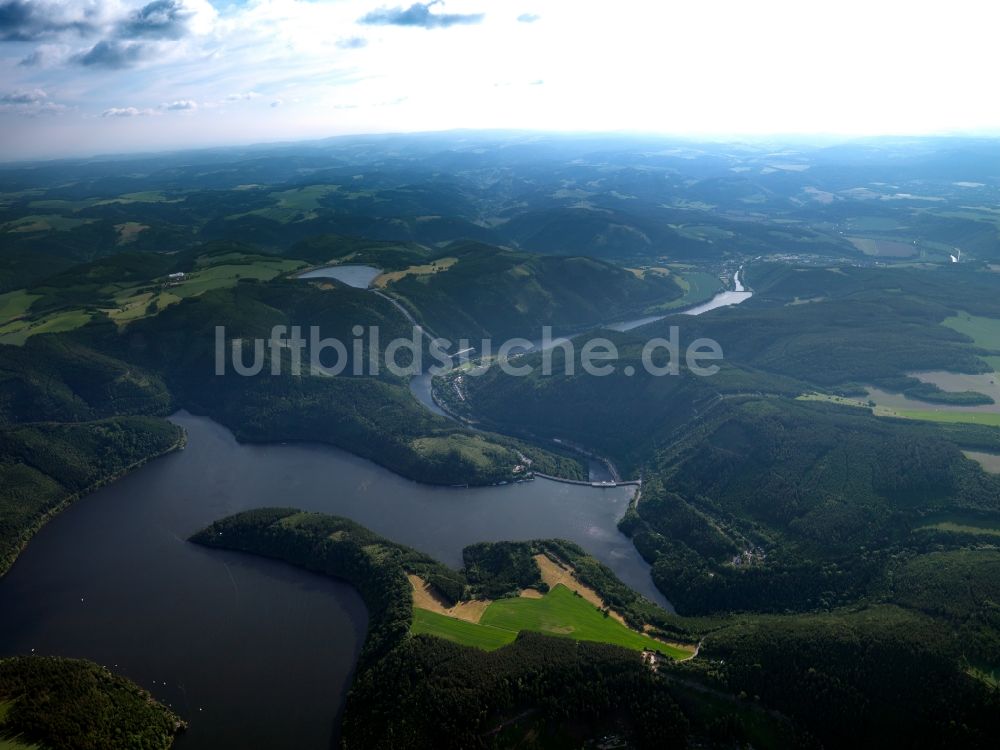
[963, 523]
[134, 302]
[984, 331]
[991, 419]
[460, 631]
[15, 304]
[698, 287]
[560, 612]
[19, 331]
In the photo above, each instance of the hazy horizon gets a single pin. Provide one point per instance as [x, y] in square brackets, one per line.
[123, 76]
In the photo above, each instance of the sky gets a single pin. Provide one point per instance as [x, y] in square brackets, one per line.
[99, 76]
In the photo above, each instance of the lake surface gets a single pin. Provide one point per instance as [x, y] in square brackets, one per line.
[255, 653]
[359, 277]
[737, 295]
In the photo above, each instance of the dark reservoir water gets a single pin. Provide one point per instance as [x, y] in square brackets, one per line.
[254, 653]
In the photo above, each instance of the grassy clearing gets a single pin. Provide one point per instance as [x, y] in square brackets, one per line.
[990, 676]
[44, 223]
[128, 231]
[460, 631]
[304, 199]
[883, 248]
[991, 419]
[927, 415]
[962, 523]
[133, 303]
[62, 205]
[985, 332]
[227, 275]
[961, 528]
[442, 264]
[702, 232]
[19, 331]
[148, 196]
[292, 205]
[471, 448]
[989, 461]
[698, 287]
[561, 612]
[15, 304]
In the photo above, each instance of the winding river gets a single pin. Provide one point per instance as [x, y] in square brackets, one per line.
[254, 653]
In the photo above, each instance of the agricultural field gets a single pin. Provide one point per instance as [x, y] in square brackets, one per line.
[44, 223]
[441, 264]
[946, 414]
[460, 631]
[298, 204]
[883, 248]
[135, 302]
[559, 612]
[19, 331]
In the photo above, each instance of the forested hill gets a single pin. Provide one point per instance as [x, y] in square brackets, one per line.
[834, 330]
[68, 704]
[782, 506]
[483, 291]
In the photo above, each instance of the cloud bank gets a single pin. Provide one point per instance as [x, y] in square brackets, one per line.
[419, 15]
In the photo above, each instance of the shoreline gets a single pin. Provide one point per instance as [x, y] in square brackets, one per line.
[29, 533]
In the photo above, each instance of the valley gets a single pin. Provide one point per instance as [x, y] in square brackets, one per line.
[382, 558]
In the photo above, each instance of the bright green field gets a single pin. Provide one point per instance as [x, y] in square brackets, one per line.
[987, 418]
[460, 631]
[984, 331]
[559, 612]
[226, 275]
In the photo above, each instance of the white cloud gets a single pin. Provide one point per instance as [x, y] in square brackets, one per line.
[181, 105]
[689, 68]
[126, 112]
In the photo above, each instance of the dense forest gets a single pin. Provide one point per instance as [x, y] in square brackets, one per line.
[777, 506]
[67, 704]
